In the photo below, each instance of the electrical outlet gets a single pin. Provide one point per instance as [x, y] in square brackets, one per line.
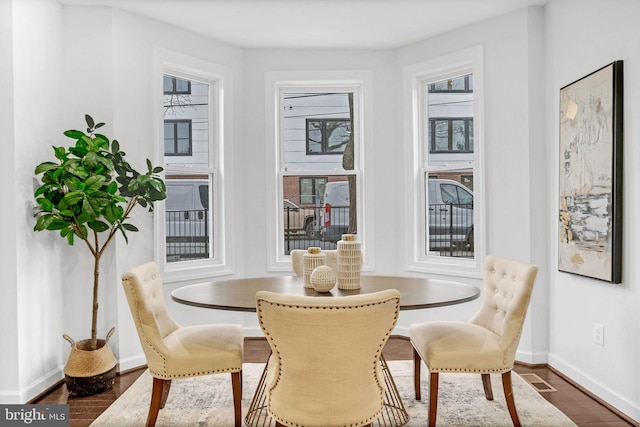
[598, 334]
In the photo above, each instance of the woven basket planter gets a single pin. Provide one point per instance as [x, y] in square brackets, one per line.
[89, 371]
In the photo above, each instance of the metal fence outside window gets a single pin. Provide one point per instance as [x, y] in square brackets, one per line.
[187, 234]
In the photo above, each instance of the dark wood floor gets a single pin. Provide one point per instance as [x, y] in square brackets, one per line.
[577, 405]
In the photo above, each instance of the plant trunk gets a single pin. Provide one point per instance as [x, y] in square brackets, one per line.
[348, 163]
[94, 315]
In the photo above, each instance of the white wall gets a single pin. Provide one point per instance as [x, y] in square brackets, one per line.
[510, 56]
[60, 68]
[39, 285]
[576, 45]
[8, 217]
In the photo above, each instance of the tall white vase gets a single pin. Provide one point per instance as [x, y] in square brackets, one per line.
[349, 262]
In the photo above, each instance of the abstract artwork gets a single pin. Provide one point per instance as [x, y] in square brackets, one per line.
[590, 179]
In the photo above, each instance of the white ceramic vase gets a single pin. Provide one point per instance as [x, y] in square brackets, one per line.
[312, 259]
[349, 262]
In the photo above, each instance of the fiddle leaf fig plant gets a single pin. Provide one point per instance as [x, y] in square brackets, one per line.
[89, 193]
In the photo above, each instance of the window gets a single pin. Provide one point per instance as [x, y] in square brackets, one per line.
[193, 146]
[446, 233]
[451, 134]
[311, 188]
[449, 216]
[327, 136]
[311, 146]
[452, 85]
[177, 137]
[189, 174]
[175, 86]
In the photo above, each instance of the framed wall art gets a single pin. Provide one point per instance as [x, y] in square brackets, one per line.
[590, 179]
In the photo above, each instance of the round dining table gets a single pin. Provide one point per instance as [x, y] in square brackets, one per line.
[240, 295]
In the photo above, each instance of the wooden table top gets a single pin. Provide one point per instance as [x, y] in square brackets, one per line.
[240, 294]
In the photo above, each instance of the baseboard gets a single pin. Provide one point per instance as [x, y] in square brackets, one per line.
[33, 390]
[132, 363]
[532, 358]
[617, 403]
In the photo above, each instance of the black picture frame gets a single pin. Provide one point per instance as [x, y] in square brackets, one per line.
[590, 175]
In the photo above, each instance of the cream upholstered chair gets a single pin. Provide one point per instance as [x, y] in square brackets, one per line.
[487, 343]
[297, 260]
[174, 352]
[325, 365]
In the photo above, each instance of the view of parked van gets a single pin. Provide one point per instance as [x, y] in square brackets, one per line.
[335, 211]
[186, 219]
[450, 215]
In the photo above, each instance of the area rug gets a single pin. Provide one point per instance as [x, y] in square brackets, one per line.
[207, 401]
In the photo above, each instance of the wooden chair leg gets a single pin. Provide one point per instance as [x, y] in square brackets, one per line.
[486, 383]
[508, 394]
[236, 385]
[433, 398]
[417, 362]
[159, 393]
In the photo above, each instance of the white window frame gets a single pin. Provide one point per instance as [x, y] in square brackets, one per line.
[219, 79]
[415, 79]
[277, 82]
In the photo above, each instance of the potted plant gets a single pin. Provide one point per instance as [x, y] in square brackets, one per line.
[88, 194]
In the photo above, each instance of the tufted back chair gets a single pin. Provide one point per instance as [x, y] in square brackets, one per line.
[173, 351]
[297, 260]
[325, 365]
[488, 342]
[506, 292]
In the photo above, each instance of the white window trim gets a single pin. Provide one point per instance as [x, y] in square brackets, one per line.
[220, 79]
[361, 83]
[414, 78]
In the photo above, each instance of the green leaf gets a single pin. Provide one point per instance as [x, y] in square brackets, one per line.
[143, 179]
[88, 209]
[60, 153]
[98, 226]
[106, 162]
[101, 140]
[45, 205]
[91, 160]
[89, 121]
[130, 227]
[57, 224]
[157, 169]
[112, 188]
[124, 234]
[111, 213]
[72, 198]
[74, 134]
[44, 167]
[98, 125]
[94, 183]
[83, 217]
[76, 168]
[43, 222]
[115, 146]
